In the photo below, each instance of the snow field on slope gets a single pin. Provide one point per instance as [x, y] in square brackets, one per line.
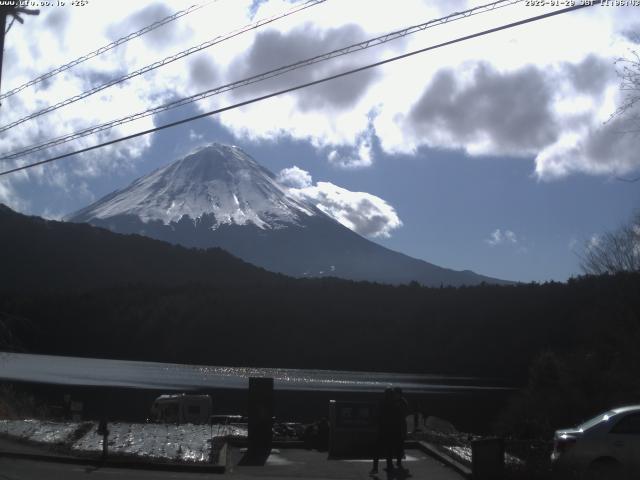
[216, 180]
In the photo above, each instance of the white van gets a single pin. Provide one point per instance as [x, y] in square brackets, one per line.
[181, 408]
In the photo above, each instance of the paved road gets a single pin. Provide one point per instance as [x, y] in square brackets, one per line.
[284, 464]
[11, 469]
[306, 464]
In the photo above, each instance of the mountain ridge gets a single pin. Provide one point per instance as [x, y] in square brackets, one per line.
[219, 196]
[51, 255]
[218, 179]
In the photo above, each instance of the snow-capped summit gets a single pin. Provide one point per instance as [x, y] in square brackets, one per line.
[219, 196]
[218, 180]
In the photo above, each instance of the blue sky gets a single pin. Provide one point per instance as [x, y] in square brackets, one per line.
[494, 156]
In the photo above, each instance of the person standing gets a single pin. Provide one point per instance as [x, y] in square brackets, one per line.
[400, 411]
[386, 430]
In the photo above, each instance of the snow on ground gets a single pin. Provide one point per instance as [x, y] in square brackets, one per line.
[38, 430]
[464, 453]
[182, 443]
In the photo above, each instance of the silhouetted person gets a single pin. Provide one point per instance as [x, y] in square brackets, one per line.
[323, 434]
[386, 429]
[104, 431]
[400, 412]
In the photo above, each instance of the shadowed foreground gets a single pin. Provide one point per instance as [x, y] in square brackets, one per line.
[282, 463]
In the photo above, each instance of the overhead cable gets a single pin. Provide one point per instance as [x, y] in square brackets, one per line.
[163, 62]
[373, 42]
[304, 85]
[105, 48]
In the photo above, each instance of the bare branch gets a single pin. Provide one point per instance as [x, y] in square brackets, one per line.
[613, 252]
[628, 70]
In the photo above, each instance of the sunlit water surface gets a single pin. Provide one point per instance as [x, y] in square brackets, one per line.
[172, 376]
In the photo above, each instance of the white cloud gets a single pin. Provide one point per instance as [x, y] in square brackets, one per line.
[193, 136]
[52, 214]
[541, 91]
[62, 34]
[9, 197]
[594, 241]
[599, 149]
[361, 212]
[294, 177]
[351, 158]
[519, 93]
[500, 237]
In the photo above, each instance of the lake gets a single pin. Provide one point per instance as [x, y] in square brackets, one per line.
[172, 376]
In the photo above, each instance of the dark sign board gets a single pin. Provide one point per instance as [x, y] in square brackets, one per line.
[354, 429]
[488, 459]
[355, 415]
[260, 414]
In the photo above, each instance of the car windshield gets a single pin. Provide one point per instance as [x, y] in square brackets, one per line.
[592, 422]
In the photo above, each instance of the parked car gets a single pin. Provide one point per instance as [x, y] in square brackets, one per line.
[606, 446]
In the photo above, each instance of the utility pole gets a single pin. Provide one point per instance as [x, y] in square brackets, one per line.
[3, 24]
[13, 11]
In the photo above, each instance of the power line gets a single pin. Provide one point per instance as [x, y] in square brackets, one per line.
[106, 48]
[260, 77]
[304, 85]
[163, 62]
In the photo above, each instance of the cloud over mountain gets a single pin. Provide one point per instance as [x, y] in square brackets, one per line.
[536, 94]
[294, 177]
[362, 212]
[219, 196]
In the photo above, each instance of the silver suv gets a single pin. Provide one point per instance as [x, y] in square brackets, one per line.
[604, 447]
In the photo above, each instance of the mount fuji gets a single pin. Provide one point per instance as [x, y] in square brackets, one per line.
[221, 197]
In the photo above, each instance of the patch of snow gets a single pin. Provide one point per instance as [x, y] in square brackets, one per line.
[510, 459]
[182, 443]
[38, 431]
[462, 452]
[159, 441]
